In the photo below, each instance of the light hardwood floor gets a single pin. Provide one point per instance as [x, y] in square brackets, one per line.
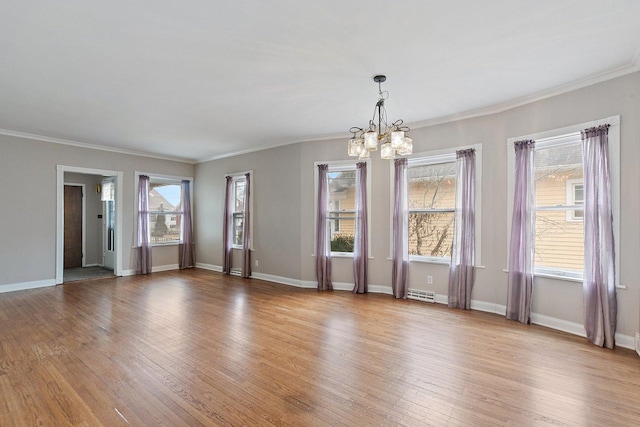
[199, 348]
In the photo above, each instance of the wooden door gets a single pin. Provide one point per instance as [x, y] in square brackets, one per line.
[72, 226]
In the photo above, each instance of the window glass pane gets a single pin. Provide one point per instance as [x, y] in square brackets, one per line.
[554, 167]
[238, 219]
[559, 243]
[165, 212]
[559, 232]
[432, 186]
[342, 204]
[239, 196]
[431, 233]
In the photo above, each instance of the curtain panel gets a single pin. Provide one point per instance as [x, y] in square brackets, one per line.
[400, 269]
[361, 244]
[227, 225]
[143, 250]
[600, 304]
[323, 247]
[461, 269]
[246, 229]
[186, 249]
[521, 247]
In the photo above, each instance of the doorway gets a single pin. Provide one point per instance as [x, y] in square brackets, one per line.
[88, 238]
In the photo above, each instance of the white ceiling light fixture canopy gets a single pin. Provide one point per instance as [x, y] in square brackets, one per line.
[392, 137]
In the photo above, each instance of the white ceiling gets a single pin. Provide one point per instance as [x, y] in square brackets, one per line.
[200, 79]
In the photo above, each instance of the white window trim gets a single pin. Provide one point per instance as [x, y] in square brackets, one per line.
[571, 199]
[614, 163]
[431, 158]
[340, 165]
[156, 177]
[240, 176]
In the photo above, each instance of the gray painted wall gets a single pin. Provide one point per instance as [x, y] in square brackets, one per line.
[284, 203]
[28, 191]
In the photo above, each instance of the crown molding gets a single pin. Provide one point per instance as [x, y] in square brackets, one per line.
[92, 146]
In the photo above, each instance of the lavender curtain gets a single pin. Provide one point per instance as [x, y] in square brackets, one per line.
[600, 305]
[461, 269]
[246, 229]
[360, 247]
[520, 281]
[399, 282]
[227, 225]
[323, 248]
[186, 249]
[143, 251]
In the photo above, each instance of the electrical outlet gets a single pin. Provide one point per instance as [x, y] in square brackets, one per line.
[257, 263]
[430, 280]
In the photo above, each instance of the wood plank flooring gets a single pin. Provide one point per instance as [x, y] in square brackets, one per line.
[199, 348]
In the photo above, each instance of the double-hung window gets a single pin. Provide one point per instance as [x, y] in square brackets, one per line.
[559, 197]
[165, 210]
[238, 210]
[341, 209]
[559, 230]
[431, 191]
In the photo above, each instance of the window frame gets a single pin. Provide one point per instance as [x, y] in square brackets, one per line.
[558, 136]
[237, 177]
[435, 157]
[340, 166]
[162, 179]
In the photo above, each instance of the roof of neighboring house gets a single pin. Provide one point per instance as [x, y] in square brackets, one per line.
[158, 203]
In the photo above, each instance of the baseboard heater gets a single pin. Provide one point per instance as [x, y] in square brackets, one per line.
[421, 295]
[236, 272]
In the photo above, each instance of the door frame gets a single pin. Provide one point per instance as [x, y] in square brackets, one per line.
[84, 219]
[117, 175]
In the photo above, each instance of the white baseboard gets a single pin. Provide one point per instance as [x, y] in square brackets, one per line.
[155, 269]
[282, 280]
[27, 285]
[211, 267]
[168, 267]
[92, 265]
[638, 343]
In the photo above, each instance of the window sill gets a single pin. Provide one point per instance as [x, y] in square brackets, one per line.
[154, 245]
[427, 260]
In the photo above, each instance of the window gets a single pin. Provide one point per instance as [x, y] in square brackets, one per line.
[342, 205]
[165, 211]
[341, 213]
[559, 198]
[431, 199]
[239, 184]
[559, 235]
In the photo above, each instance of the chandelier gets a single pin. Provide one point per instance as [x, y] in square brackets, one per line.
[392, 137]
